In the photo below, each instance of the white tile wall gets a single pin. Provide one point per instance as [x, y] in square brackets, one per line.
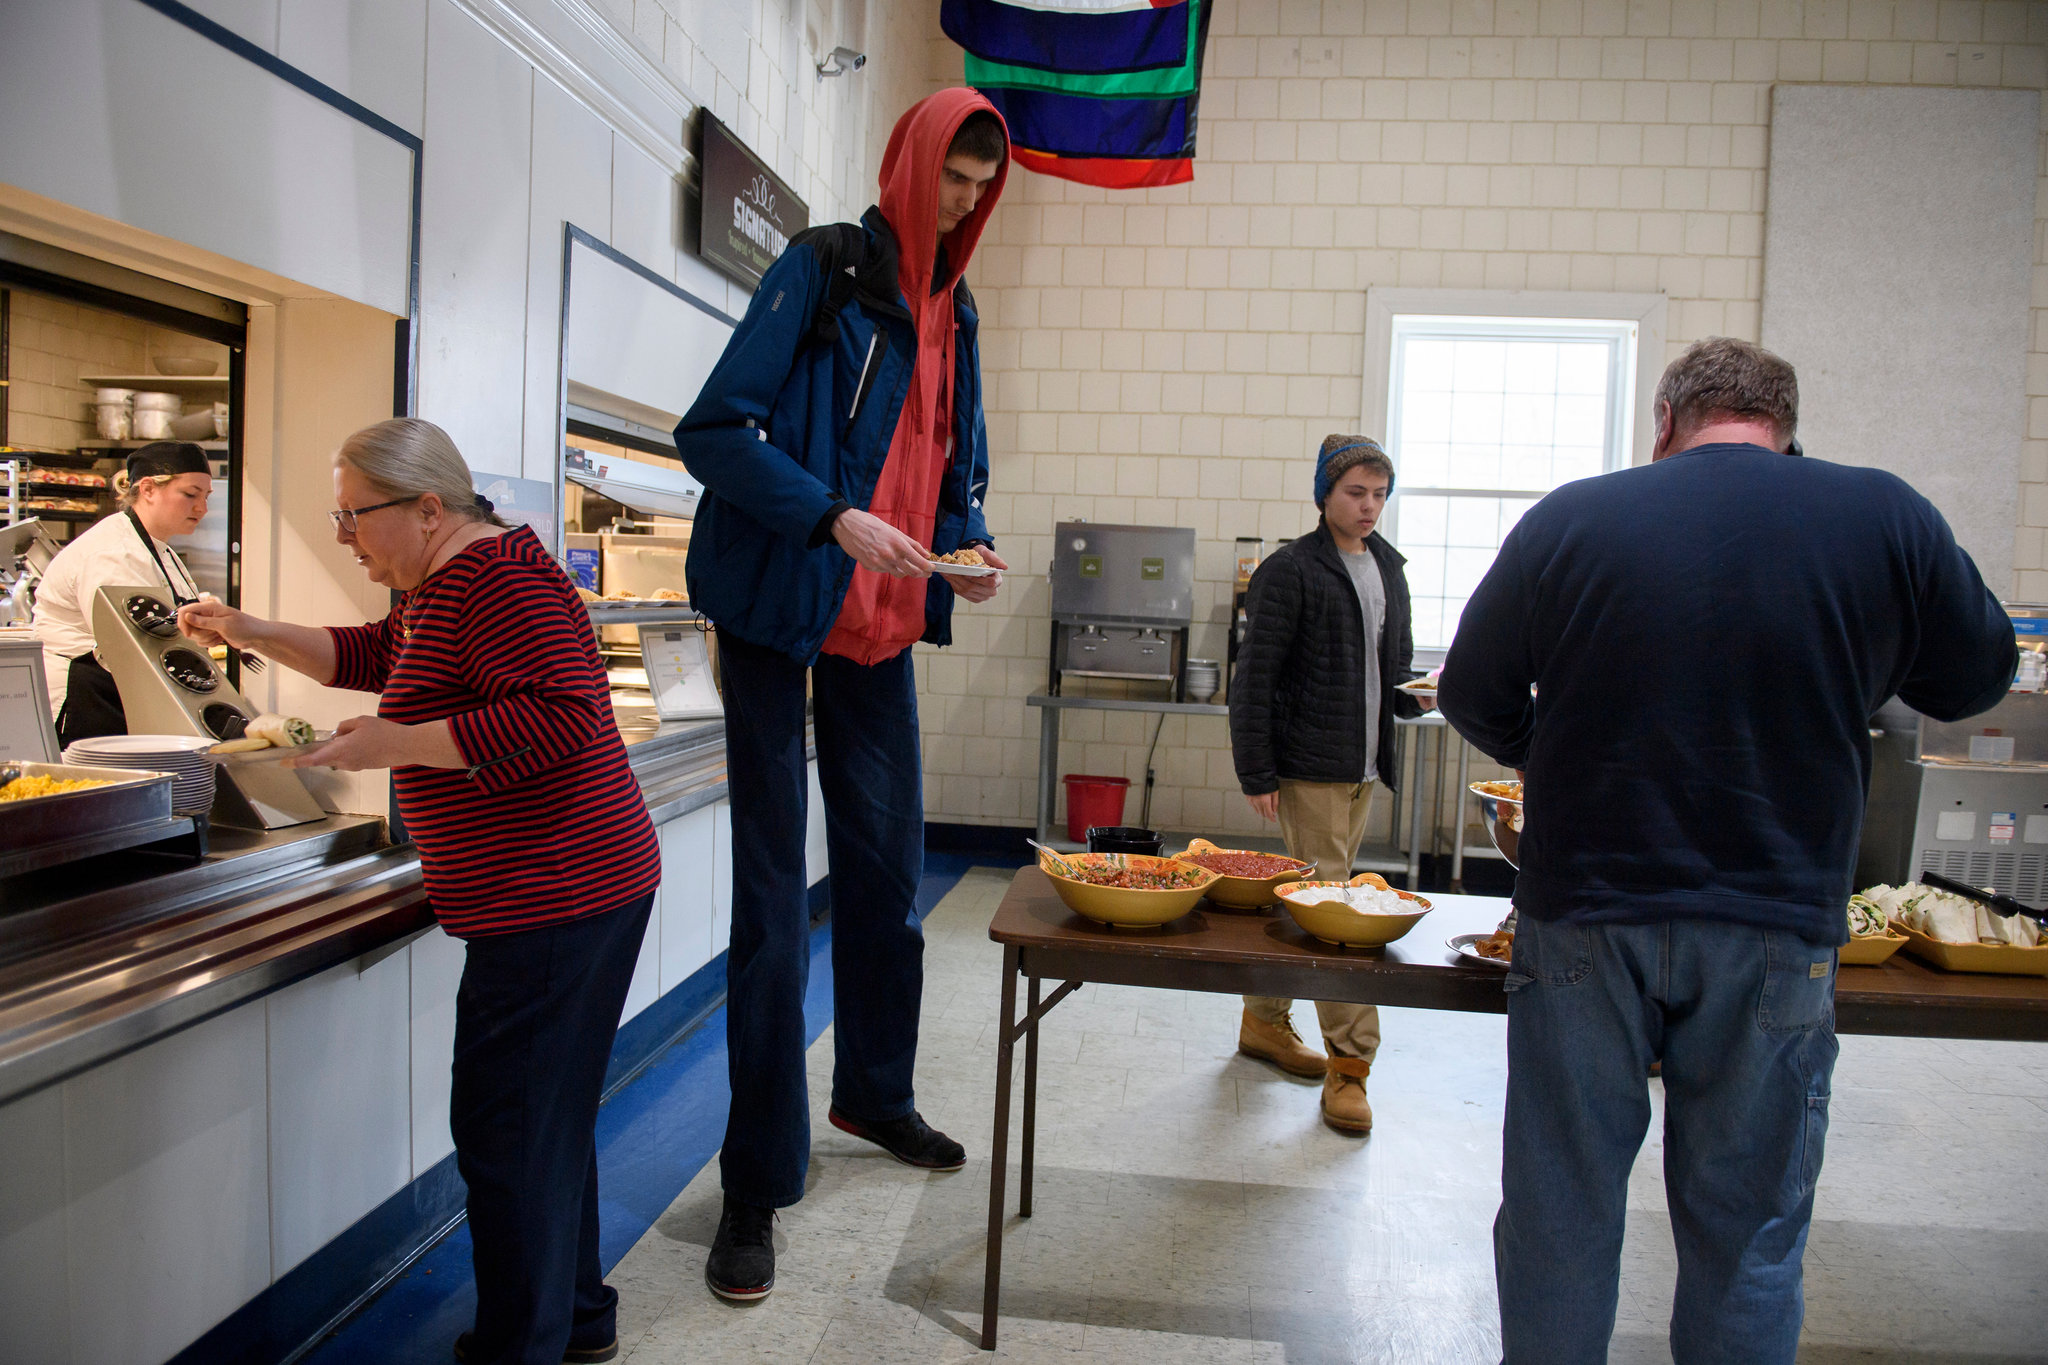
[1174, 356]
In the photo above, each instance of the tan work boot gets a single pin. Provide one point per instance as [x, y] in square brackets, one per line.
[1344, 1106]
[1278, 1044]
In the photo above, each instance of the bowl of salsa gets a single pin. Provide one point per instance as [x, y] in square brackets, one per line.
[1126, 890]
[1245, 878]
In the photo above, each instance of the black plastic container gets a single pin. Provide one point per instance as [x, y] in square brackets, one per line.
[1124, 839]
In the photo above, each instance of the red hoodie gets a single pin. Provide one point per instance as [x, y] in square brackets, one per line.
[883, 615]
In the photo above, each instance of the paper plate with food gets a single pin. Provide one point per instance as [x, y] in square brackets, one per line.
[965, 563]
[1496, 949]
[268, 739]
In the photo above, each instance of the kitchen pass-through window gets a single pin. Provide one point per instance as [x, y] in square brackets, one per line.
[1484, 414]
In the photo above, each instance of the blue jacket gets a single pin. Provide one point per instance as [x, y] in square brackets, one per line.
[796, 420]
[1708, 637]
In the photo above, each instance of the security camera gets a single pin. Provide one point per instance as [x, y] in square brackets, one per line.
[842, 60]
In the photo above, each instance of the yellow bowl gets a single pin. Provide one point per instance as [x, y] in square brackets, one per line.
[1871, 949]
[1243, 893]
[1125, 907]
[1334, 921]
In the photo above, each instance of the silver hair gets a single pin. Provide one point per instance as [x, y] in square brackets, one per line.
[409, 457]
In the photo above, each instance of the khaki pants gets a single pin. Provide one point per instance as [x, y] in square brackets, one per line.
[1325, 822]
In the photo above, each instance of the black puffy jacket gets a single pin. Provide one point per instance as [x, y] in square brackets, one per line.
[1297, 707]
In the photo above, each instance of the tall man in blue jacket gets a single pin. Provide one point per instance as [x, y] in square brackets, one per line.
[1707, 636]
[839, 439]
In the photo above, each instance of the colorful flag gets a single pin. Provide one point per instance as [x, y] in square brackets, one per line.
[1098, 94]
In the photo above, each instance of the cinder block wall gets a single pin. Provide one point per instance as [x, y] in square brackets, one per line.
[1173, 356]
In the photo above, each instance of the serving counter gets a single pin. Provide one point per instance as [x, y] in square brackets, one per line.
[103, 956]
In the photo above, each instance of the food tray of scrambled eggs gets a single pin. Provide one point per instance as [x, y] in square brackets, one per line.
[52, 812]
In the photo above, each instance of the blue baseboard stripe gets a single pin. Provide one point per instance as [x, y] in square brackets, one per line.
[394, 1287]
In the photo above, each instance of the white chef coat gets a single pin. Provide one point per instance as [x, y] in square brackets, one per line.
[106, 554]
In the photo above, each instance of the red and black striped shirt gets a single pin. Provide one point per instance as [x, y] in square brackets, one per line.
[548, 823]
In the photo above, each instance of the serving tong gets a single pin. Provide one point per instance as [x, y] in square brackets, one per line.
[2003, 904]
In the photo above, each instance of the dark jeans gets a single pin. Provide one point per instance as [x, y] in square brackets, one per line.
[1744, 1021]
[534, 1022]
[868, 770]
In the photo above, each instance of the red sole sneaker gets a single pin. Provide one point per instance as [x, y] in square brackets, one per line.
[866, 1134]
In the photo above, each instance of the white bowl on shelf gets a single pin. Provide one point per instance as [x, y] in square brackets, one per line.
[148, 401]
[153, 424]
[185, 367]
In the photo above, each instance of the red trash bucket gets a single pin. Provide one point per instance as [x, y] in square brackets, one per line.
[1093, 801]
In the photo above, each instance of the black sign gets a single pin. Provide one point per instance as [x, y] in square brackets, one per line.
[749, 215]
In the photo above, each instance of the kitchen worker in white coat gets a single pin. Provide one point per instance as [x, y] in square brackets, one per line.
[162, 494]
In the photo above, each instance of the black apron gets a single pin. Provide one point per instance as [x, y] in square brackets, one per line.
[92, 702]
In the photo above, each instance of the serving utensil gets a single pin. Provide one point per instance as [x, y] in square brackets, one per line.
[1057, 859]
[2003, 904]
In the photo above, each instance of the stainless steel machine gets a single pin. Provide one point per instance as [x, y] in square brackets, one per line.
[1123, 599]
[1967, 799]
[171, 686]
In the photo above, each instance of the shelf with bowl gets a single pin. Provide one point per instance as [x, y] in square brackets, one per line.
[205, 387]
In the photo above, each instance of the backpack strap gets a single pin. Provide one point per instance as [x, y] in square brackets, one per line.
[842, 252]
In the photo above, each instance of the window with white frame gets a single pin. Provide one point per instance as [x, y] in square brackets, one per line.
[1484, 413]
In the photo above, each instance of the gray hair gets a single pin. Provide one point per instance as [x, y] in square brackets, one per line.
[1721, 377]
[408, 457]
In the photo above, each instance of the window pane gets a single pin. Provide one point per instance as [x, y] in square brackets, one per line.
[1482, 366]
[1581, 421]
[1425, 466]
[1582, 367]
[1511, 405]
[1425, 569]
[1532, 368]
[1422, 520]
[1426, 417]
[1428, 366]
[1474, 522]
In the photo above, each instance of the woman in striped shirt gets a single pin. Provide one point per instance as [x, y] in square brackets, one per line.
[495, 719]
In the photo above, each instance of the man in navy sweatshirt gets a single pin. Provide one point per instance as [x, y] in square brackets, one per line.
[1706, 637]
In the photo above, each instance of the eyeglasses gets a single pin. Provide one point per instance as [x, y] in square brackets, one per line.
[345, 518]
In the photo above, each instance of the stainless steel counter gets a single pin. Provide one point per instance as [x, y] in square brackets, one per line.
[100, 957]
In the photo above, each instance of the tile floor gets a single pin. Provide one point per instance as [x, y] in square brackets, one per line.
[1191, 1207]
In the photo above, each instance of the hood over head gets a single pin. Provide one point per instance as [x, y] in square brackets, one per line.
[910, 188]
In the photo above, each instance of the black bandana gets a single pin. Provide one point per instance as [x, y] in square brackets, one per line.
[167, 457]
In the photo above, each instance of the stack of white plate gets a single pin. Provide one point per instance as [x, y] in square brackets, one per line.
[184, 757]
[1205, 676]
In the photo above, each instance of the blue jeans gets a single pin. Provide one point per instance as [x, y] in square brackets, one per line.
[1744, 1022]
[865, 719]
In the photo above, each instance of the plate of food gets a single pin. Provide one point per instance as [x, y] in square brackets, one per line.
[1508, 793]
[1488, 950]
[1417, 687]
[1871, 938]
[962, 564]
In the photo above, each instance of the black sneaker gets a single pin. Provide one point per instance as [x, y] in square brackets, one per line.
[909, 1139]
[741, 1266]
[575, 1355]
